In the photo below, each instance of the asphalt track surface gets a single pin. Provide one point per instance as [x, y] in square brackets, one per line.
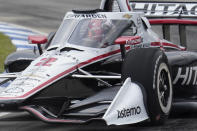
[185, 119]
[43, 15]
[46, 15]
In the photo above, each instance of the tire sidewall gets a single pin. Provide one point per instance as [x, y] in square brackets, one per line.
[161, 113]
[143, 66]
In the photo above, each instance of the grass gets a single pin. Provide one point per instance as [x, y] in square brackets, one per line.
[6, 47]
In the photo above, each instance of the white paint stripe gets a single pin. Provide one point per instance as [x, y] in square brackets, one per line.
[18, 26]
[23, 43]
[3, 23]
[12, 27]
[8, 33]
[26, 46]
[19, 42]
[19, 32]
[6, 26]
[4, 114]
[14, 31]
[21, 49]
[16, 36]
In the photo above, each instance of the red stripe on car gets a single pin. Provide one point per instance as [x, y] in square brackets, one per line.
[70, 70]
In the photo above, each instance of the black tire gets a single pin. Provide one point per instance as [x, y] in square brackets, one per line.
[149, 67]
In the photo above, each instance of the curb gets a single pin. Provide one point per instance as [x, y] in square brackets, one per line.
[19, 35]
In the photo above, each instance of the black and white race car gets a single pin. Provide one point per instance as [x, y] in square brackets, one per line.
[106, 66]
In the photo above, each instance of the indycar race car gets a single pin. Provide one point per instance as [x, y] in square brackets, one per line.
[179, 15]
[106, 66]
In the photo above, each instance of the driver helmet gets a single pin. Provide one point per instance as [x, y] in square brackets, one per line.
[97, 28]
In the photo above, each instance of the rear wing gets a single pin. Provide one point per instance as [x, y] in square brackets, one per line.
[167, 9]
[154, 8]
[168, 13]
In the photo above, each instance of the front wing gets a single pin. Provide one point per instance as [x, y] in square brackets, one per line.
[117, 105]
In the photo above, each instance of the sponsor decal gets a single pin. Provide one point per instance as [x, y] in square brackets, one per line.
[127, 16]
[144, 45]
[139, 22]
[165, 8]
[29, 79]
[25, 85]
[35, 76]
[14, 90]
[186, 76]
[36, 70]
[86, 16]
[134, 41]
[129, 112]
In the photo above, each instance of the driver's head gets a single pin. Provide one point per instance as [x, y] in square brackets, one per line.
[97, 28]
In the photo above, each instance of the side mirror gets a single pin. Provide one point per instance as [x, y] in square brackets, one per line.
[33, 39]
[129, 40]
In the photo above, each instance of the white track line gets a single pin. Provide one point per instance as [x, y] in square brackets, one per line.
[14, 31]
[4, 114]
[22, 27]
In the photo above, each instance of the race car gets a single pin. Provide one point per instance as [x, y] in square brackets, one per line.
[105, 66]
[162, 16]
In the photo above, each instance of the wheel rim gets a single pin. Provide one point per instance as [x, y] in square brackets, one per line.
[164, 88]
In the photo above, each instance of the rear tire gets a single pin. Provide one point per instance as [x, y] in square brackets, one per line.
[149, 67]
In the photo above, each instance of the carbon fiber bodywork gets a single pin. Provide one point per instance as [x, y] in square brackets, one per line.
[19, 60]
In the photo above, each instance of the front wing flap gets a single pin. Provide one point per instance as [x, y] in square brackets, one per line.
[115, 106]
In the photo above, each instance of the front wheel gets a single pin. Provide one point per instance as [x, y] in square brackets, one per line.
[149, 67]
